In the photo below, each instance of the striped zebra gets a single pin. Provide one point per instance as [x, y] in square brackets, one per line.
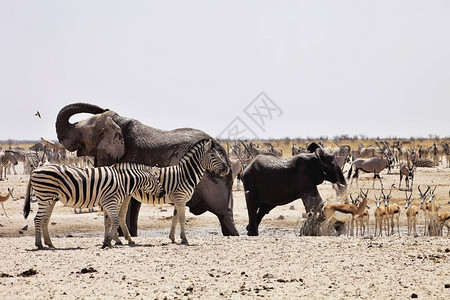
[85, 188]
[6, 158]
[179, 182]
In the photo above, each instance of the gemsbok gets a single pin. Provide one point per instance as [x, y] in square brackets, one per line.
[407, 169]
[370, 165]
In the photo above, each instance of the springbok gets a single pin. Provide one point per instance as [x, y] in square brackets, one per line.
[343, 213]
[380, 216]
[444, 220]
[362, 220]
[411, 213]
[5, 198]
[370, 165]
[407, 169]
[433, 208]
[423, 206]
[392, 210]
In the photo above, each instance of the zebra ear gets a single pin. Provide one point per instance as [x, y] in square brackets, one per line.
[155, 171]
[208, 145]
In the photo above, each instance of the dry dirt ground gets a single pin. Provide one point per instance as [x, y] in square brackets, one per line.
[278, 264]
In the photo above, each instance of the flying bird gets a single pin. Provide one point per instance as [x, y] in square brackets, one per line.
[38, 114]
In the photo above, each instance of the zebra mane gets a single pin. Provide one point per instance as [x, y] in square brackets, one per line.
[131, 165]
[200, 145]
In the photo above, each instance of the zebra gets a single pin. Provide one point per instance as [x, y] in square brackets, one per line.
[179, 182]
[84, 188]
[6, 157]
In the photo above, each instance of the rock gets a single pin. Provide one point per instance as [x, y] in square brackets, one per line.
[28, 273]
[414, 295]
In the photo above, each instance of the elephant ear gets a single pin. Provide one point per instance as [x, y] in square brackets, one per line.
[319, 153]
[111, 144]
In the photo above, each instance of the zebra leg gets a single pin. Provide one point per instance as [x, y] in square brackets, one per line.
[181, 209]
[122, 221]
[44, 207]
[174, 225]
[111, 209]
[44, 225]
[107, 221]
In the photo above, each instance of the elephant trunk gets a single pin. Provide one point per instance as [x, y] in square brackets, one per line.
[65, 130]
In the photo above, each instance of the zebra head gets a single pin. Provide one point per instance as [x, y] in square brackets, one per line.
[154, 187]
[213, 160]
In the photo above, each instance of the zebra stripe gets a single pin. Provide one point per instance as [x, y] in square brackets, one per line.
[179, 181]
[87, 188]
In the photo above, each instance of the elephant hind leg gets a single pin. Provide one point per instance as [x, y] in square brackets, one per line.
[263, 210]
[252, 209]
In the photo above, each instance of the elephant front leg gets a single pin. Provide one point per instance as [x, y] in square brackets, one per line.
[133, 216]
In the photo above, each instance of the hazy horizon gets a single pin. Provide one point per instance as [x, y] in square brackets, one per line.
[257, 69]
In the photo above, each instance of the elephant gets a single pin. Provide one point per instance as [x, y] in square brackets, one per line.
[111, 138]
[270, 181]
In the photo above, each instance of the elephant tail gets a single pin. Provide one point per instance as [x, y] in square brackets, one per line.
[27, 206]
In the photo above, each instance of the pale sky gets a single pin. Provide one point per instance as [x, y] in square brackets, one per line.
[378, 68]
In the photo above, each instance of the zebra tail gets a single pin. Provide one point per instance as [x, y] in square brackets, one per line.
[350, 172]
[27, 206]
